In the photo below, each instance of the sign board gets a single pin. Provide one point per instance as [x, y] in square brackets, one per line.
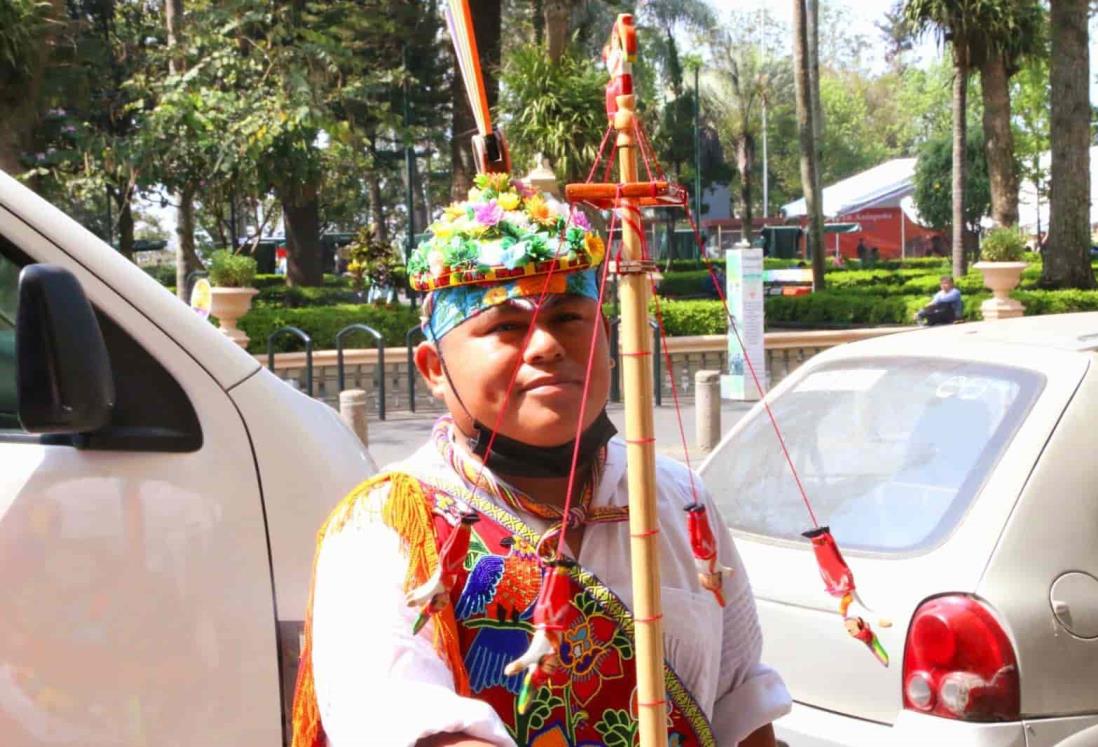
[745, 302]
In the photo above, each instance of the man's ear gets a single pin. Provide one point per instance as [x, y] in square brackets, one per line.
[429, 364]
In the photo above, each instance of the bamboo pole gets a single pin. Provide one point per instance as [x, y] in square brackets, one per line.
[639, 434]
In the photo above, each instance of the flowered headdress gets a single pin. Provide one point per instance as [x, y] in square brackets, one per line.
[499, 245]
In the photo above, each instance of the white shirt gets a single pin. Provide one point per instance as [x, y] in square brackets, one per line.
[377, 684]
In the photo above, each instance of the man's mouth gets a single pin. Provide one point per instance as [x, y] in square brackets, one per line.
[550, 383]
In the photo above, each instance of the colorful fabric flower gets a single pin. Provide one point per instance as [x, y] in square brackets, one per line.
[539, 211]
[488, 214]
[509, 201]
[588, 655]
[579, 219]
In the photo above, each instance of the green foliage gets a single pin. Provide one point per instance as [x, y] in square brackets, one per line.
[322, 323]
[296, 296]
[553, 109]
[692, 283]
[934, 182]
[1003, 244]
[228, 270]
[163, 274]
[692, 317]
[21, 24]
[372, 260]
[1056, 301]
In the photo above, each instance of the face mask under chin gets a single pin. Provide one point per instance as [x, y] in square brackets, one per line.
[518, 459]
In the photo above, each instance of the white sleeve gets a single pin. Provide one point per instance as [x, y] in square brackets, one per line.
[749, 693]
[376, 683]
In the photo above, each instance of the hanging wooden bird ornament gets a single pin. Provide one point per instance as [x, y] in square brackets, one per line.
[432, 596]
[704, 545]
[839, 582]
[542, 658]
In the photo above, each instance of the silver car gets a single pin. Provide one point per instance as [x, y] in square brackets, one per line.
[957, 468]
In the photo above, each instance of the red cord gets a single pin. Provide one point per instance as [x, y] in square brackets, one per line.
[583, 407]
[751, 367]
[598, 158]
[674, 389]
[518, 363]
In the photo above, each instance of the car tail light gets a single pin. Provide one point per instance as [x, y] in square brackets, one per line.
[959, 663]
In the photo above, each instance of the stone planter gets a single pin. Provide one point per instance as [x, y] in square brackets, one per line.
[228, 305]
[1001, 278]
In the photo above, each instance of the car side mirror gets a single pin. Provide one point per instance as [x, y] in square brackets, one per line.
[64, 382]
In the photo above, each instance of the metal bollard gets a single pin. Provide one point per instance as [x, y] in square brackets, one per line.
[352, 408]
[707, 409]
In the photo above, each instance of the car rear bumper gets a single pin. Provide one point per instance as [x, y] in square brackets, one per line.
[806, 726]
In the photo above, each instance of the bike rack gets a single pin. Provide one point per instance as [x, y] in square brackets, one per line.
[299, 334]
[379, 342]
[412, 364]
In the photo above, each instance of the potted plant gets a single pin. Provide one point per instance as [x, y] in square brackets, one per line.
[231, 276]
[374, 263]
[1001, 254]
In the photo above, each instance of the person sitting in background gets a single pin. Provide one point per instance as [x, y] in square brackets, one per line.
[945, 307]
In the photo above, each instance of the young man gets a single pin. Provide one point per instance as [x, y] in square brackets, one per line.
[427, 578]
[945, 307]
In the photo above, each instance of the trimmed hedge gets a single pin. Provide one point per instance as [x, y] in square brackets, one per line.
[686, 284]
[1056, 301]
[322, 323]
[279, 281]
[283, 296]
[698, 317]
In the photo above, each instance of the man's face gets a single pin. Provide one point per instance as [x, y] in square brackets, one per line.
[947, 284]
[481, 354]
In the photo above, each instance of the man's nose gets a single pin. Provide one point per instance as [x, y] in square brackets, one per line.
[543, 346]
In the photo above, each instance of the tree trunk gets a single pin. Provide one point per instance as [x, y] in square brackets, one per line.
[806, 133]
[999, 141]
[487, 29]
[558, 18]
[125, 224]
[745, 164]
[1067, 260]
[303, 256]
[186, 258]
[377, 206]
[960, 163]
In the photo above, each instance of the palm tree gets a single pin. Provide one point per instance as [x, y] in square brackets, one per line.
[955, 22]
[1015, 30]
[992, 36]
[806, 79]
[736, 85]
[1067, 261]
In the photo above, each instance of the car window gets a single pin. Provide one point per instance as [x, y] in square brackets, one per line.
[890, 451]
[151, 411]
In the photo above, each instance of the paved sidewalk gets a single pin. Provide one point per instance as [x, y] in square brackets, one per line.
[403, 433]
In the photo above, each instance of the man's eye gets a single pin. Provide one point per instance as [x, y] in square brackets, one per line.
[503, 327]
[569, 317]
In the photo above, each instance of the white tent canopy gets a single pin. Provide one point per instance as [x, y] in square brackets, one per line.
[1032, 210]
[885, 185]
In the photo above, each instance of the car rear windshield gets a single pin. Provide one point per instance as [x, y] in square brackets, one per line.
[891, 451]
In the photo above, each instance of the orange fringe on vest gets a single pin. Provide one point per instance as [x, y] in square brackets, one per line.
[407, 513]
